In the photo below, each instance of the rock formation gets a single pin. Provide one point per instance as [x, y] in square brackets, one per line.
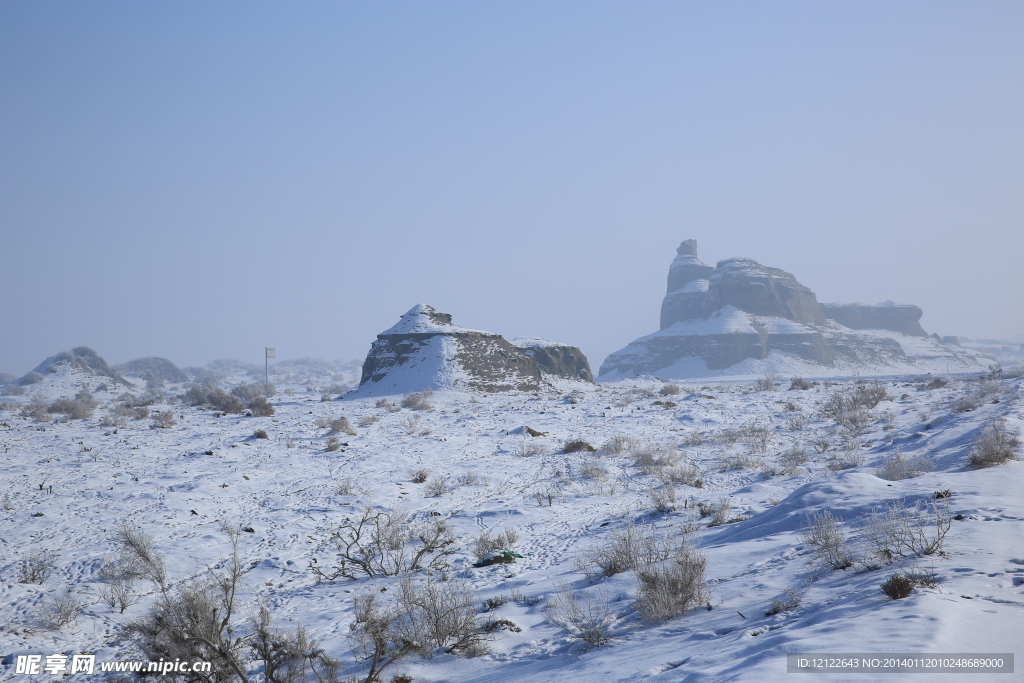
[902, 318]
[81, 359]
[153, 368]
[739, 315]
[426, 350]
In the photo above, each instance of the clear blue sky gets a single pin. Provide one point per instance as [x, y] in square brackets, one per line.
[201, 179]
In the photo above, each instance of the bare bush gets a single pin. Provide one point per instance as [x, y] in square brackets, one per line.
[825, 537]
[546, 496]
[788, 600]
[664, 498]
[628, 548]
[898, 466]
[765, 383]
[288, 656]
[822, 444]
[791, 460]
[332, 444]
[897, 587]
[995, 445]
[619, 444]
[367, 420]
[650, 458]
[214, 397]
[195, 621]
[13, 390]
[592, 469]
[414, 400]
[411, 425]
[576, 445]
[419, 475]
[694, 438]
[261, 407]
[137, 554]
[720, 512]
[437, 486]
[848, 458]
[525, 448]
[387, 405]
[37, 567]
[62, 609]
[798, 422]
[323, 421]
[79, 408]
[898, 530]
[385, 543]
[473, 478]
[669, 390]
[343, 426]
[680, 474]
[799, 382]
[759, 437]
[38, 409]
[668, 589]
[163, 419]
[260, 434]
[346, 486]
[486, 543]
[588, 619]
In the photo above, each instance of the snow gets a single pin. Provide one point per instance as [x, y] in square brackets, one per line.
[286, 489]
[417, 320]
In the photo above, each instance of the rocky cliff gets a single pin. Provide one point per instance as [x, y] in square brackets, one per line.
[426, 350]
[743, 317]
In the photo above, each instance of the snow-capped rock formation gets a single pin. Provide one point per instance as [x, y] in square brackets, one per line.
[742, 317]
[153, 367]
[425, 350]
[902, 318]
[80, 359]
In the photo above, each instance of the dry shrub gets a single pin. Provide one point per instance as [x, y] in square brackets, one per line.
[898, 466]
[419, 475]
[261, 407]
[669, 390]
[414, 400]
[680, 474]
[333, 444]
[619, 444]
[587, 618]
[799, 382]
[789, 599]
[630, 547]
[671, 587]
[897, 587]
[163, 419]
[62, 609]
[385, 543]
[901, 531]
[288, 656]
[765, 383]
[577, 445]
[591, 469]
[37, 567]
[343, 426]
[486, 543]
[387, 405]
[664, 498]
[792, 459]
[367, 420]
[995, 445]
[260, 434]
[825, 537]
[437, 486]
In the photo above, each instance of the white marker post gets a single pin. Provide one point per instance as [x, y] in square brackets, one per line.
[271, 353]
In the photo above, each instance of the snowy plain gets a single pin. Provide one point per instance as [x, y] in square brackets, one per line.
[183, 484]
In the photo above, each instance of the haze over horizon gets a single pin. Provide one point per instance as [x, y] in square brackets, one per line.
[200, 180]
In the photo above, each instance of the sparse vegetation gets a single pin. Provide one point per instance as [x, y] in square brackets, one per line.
[825, 538]
[901, 531]
[577, 445]
[62, 609]
[419, 475]
[163, 419]
[418, 400]
[587, 618]
[343, 426]
[788, 600]
[385, 543]
[898, 466]
[897, 587]
[995, 445]
[487, 543]
[37, 567]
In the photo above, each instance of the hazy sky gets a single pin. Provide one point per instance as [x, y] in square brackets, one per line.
[197, 180]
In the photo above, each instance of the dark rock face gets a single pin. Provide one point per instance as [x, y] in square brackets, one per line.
[426, 350]
[559, 360]
[903, 318]
[751, 287]
[153, 367]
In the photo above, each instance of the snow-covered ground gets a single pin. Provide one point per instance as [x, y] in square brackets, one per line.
[184, 483]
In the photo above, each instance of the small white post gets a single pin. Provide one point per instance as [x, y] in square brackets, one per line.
[271, 353]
